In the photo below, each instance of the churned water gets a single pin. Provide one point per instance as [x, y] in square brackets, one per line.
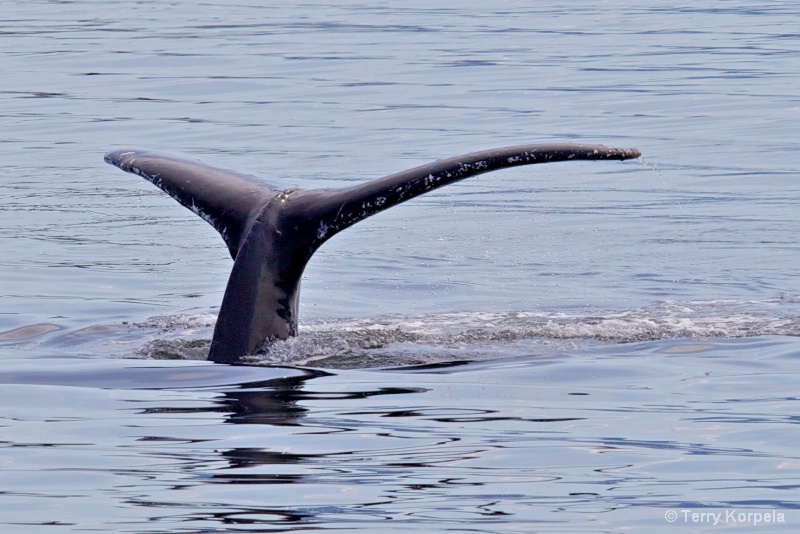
[574, 347]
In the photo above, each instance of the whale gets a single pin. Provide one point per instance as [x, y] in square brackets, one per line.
[272, 232]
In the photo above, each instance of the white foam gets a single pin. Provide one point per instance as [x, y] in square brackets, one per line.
[433, 337]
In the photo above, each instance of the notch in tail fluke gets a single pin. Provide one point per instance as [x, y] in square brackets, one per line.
[271, 234]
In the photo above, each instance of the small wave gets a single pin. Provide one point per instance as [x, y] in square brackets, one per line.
[27, 333]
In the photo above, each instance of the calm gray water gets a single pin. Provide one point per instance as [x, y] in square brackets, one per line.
[576, 347]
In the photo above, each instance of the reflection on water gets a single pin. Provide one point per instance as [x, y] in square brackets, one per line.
[615, 435]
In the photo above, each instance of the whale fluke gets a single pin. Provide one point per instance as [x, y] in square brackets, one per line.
[272, 233]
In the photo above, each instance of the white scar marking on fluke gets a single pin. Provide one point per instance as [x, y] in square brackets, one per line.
[339, 212]
[430, 181]
[322, 231]
[202, 214]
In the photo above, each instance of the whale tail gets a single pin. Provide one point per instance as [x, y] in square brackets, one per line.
[272, 234]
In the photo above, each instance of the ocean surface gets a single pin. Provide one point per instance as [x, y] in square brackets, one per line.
[570, 347]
